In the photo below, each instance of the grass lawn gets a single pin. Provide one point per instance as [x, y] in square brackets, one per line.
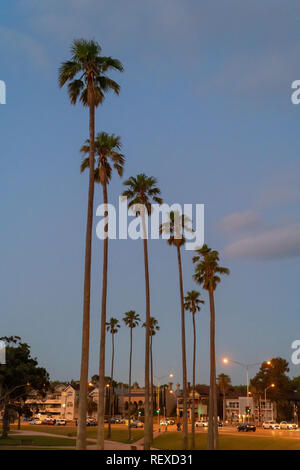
[117, 434]
[37, 441]
[172, 441]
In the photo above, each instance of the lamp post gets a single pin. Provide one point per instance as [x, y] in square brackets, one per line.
[158, 390]
[225, 360]
[267, 388]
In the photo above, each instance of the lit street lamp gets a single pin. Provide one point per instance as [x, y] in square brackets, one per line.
[158, 390]
[225, 360]
[267, 388]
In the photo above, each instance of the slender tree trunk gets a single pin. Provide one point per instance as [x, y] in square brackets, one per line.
[101, 410]
[111, 394]
[151, 390]
[84, 371]
[147, 436]
[19, 420]
[194, 378]
[213, 408]
[184, 373]
[224, 406]
[129, 387]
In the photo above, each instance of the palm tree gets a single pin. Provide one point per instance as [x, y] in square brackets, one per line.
[192, 303]
[131, 319]
[154, 327]
[174, 227]
[90, 88]
[224, 382]
[112, 327]
[107, 150]
[207, 274]
[141, 190]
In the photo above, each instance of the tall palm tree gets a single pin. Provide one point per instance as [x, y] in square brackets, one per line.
[131, 319]
[141, 191]
[107, 149]
[207, 274]
[192, 303]
[112, 326]
[154, 327]
[90, 88]
[174, 228]
[224, 382]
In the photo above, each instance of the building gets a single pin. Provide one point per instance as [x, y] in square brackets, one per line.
[62, 402]
[199, 405]
[257, 409]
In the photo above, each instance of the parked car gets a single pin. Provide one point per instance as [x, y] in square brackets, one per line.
[136, 424]
[220, 424]
[270, 425]
[49, 422]
[115, 420]
[245, 427]
[92, 422]
[201, 424]
[35, 421]
[60, 422]
[286, 425]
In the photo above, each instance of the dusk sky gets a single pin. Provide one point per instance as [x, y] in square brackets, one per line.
[205, 107]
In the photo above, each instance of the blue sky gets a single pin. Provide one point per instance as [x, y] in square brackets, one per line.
[205, 107]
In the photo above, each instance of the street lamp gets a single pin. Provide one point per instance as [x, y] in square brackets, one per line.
[225, 360]
[158, 390]
[267, 388]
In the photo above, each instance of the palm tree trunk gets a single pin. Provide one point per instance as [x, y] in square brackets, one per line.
[147, 437]
[101, 410]
[184, 373]
[213, 409]
[194, 378]
[129, 387]
[111, 395]
[224, 406]
[84, 370]
[151, 390]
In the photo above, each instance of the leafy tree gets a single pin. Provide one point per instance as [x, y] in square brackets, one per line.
[18, 377]
[132, 320]
[141, 191]
[207, 274]
[192, 303]
[112, 327]
[86, 75]
[174, 228]
[275, 373]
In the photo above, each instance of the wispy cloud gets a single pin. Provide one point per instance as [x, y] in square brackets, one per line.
[241, 221]
[16, 42]
[280, 242]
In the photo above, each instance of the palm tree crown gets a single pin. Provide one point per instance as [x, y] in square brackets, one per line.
[112, 326]
[174, 227]
[88, 64]
[107, 148]
[131, 319]
[192, 301]
[153, 327]
[141, 190]
[207, 270]
[224, 382]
